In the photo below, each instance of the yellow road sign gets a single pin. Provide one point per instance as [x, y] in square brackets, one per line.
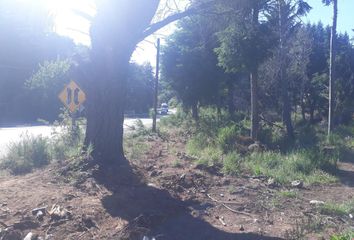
[72, 96]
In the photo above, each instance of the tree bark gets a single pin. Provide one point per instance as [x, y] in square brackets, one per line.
[331, 67]
[105, 112]
[115, 32]
[254, 81]
[254, 105]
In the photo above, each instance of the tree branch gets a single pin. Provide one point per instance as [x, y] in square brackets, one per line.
[157, 26]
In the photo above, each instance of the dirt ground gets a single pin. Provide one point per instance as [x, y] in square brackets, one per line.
[156, 198]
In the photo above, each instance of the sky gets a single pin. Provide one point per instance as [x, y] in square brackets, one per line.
[68, 23]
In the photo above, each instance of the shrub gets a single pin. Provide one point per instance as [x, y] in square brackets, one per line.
[232, 163]
[197, 143]
[227, 138]
[210, 156]
[66, 140]
[29, 153]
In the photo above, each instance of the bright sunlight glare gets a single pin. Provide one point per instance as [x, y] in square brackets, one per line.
[67, 20]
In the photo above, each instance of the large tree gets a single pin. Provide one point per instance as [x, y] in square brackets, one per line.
[117, 28]
[189, 64]
[287, 14]
[244, 45]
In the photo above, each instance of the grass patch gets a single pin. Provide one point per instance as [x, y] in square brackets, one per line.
[232, 163]
[209, 157]
[177, 164]
[302, 165]
[33, 152]
[29, 153]
[343, 236]
[306, 226]
[335, 209]
[309, 157]
[288, 194]
[135, 147]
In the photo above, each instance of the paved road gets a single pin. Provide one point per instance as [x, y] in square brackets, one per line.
[14, 134]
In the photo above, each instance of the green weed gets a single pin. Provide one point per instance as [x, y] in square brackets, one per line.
[29, 153]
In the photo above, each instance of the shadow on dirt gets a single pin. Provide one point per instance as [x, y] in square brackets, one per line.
[345, 174]
[345, 171]
[154, 212]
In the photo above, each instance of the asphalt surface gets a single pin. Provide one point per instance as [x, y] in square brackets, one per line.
[14, 134]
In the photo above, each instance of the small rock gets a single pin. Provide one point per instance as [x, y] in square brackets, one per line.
[49, 237]
[36, 210]
[221, 195]
[40, 215]
[57, 212]
[350, 216]
[28, 236]
[271, 182]
[242, 228]
[316, 202]
[152, 185]
[226, 182]
[153, 174]
[256, 147]
[203, 191]
[297, 184]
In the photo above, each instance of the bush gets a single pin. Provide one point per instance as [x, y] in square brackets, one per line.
[68, 141]
[31, 152]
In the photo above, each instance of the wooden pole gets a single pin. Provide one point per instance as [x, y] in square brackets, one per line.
[156, 85]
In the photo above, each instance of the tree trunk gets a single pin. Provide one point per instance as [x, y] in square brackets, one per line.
[195, 112]
[105, 113]
[331, 67]
[115, 31]
[254, 81]
[230, 97]
[303, 112]
[283, 79]
[254, 105]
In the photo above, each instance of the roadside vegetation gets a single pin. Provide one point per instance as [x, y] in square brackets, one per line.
[221, 141]
[33, 152]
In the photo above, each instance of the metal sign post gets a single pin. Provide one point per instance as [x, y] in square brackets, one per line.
[72, 96]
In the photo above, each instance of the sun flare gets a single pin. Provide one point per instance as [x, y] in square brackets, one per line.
[68, 22]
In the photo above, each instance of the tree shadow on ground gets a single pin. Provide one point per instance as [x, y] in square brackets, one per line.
[345, 174]
[345, 170]
[153, 212]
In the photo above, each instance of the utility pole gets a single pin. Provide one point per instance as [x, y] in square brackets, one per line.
[156, 85]
[331, 69]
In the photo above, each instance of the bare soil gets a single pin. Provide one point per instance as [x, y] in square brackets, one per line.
[155, 197]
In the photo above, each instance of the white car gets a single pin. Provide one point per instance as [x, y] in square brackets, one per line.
[164, 109]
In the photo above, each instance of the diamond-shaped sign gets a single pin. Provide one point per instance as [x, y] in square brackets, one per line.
[72, 96]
